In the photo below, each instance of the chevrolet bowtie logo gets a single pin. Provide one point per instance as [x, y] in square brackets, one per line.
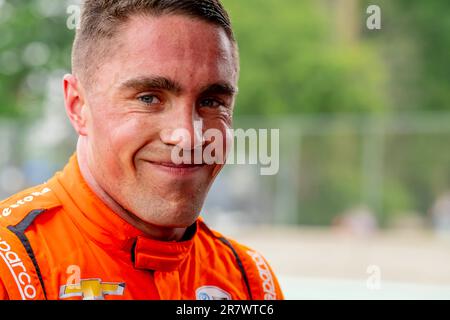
[92, 289]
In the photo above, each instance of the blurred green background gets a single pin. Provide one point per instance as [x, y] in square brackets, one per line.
[364, 114]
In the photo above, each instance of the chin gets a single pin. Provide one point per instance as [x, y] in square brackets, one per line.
[168, 210]
[173, 217]
[183, 218]
[177, 221]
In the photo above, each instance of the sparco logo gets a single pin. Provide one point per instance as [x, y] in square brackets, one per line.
[7, 211]
[265, 275]
[18, 271]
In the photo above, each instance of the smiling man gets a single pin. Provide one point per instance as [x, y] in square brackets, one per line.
[121, 221]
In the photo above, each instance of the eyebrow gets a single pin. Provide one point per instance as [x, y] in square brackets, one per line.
[146, 83]
[163, 83]
[220, 88]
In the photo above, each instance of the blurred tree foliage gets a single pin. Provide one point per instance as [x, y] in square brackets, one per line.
[292, 59]
[415, 40]
[34, 41]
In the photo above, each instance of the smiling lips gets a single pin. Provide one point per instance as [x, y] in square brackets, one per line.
[177, 169]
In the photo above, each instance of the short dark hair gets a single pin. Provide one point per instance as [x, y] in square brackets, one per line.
[101, 18]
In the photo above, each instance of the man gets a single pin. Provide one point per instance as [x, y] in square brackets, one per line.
[121, 221]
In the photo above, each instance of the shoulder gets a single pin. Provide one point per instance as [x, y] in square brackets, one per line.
[16, 208]
[18, 273]
[257, 272]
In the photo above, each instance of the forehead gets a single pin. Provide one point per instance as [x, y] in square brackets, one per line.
[179, 47]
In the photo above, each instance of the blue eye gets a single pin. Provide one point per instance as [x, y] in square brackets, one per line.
[210, 103]
[149, 99]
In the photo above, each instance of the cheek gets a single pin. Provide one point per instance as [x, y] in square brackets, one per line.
[220, 122]
[117, 139]
[220, 130]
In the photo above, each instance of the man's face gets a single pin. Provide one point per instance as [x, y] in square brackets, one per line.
[166, 73]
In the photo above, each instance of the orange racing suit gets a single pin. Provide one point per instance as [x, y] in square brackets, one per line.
[60, 241]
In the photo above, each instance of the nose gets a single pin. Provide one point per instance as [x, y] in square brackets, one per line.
[184, 128]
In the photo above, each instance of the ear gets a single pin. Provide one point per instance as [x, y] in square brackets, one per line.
[75, 104]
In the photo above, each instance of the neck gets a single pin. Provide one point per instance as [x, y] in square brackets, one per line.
[150, 230]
